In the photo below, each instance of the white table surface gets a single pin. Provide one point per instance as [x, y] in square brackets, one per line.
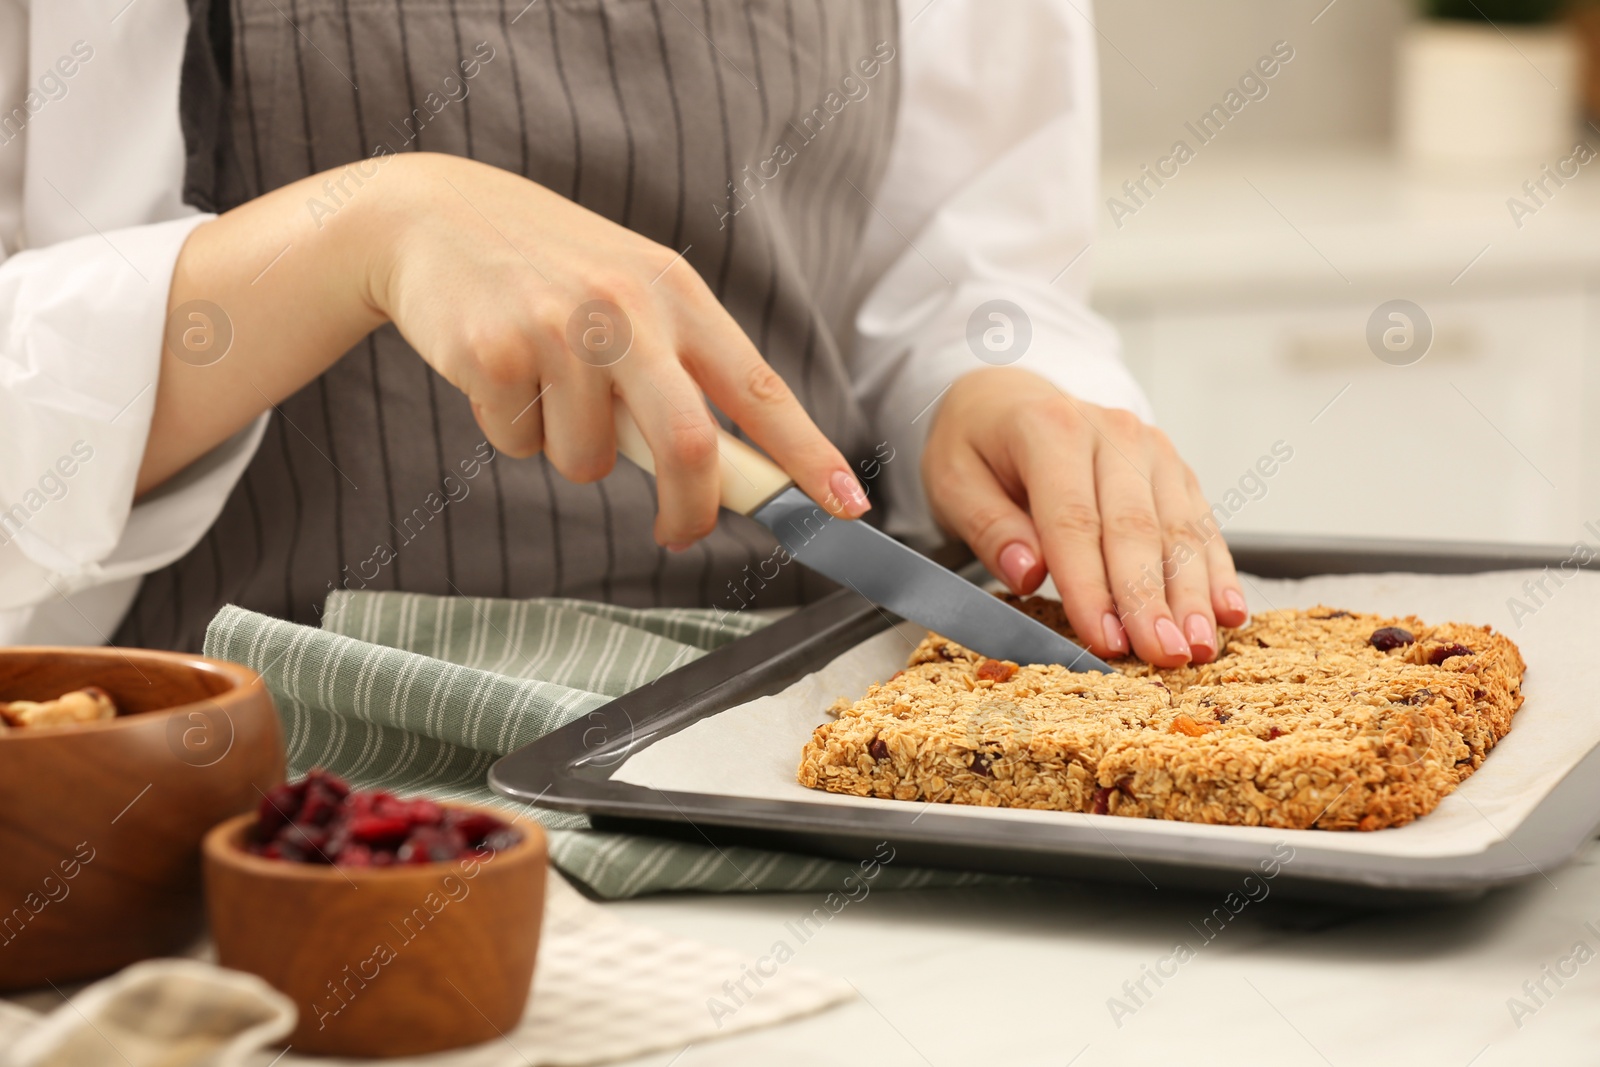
[1022, 975]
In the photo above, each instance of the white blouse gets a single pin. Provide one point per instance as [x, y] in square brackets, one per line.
[989, 194]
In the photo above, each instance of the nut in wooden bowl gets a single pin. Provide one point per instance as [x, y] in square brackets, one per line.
[394, 960]
[101, 818]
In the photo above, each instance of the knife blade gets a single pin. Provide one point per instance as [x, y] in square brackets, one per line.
[903, 580]
[890, 574]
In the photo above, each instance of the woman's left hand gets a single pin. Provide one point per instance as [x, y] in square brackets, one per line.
[1034, 479]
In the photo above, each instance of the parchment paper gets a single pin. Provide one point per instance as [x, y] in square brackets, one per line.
[753, 750]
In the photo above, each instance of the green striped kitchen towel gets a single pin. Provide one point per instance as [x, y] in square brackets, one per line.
[420, 694]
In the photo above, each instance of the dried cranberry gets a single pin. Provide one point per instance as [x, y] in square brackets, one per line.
[1102, 801]
[426, 813]
[304, 838]
[320, 806]
[391, 807]
[1444, 652]
[501, 839]
[337, 838]
[361, 803]
[1275, 733]
[278, 807]
[353, 856]
[431, 844]
[331, 782]
[877, 749]
[380, 830]
[474, 825]
[1125, 785]
[1385, 638]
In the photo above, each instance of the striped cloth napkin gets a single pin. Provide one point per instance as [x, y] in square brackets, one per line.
[421, 694]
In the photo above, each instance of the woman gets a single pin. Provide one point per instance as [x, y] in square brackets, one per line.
[373, 367]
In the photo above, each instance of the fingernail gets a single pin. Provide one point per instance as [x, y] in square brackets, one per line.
[1235, 601]
[1172, 642]
[1016, 563]
[1115, 637]
[679, 548]
[847, 489]
[1202, 636]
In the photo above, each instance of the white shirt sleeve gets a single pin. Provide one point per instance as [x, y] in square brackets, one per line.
[91, 224]
[989, 195]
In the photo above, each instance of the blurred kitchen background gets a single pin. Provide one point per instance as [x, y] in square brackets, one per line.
[1379, 163]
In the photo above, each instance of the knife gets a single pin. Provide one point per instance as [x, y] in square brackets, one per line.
[875, 565]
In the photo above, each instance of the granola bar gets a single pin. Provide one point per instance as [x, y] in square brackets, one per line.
[1321, 719]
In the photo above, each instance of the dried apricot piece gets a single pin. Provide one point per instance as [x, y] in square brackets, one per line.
[1183, 724]
[996, 670]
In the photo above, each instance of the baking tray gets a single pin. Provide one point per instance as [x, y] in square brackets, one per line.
[570, 769]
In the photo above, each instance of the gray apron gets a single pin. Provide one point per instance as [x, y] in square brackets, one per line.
[375, 476]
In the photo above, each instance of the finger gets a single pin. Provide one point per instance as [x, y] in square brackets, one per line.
[1183, 555]
[580, 437]
[1131, 540]
[520, 435]
[682, 437]
[741, 383]
[501, 380]
[1062, 498]
[970, 502]
[1227, 596]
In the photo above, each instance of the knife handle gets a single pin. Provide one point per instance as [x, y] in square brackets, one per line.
[749, 479]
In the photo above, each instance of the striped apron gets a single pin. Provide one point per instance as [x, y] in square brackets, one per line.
[736, 131]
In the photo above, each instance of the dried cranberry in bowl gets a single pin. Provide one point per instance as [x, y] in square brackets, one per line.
[321, 820]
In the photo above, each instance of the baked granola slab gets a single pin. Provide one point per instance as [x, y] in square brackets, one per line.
[1317, 719]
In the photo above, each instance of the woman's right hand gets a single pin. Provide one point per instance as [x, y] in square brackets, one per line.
[486, 274]
[525, 301]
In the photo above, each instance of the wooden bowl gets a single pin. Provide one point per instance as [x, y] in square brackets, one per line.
[101, 823]
[383, 961]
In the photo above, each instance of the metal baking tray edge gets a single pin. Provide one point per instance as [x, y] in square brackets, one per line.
[570, 768]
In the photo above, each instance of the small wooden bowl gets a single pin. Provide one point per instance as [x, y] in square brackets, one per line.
[383, 961]
[100, 823]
